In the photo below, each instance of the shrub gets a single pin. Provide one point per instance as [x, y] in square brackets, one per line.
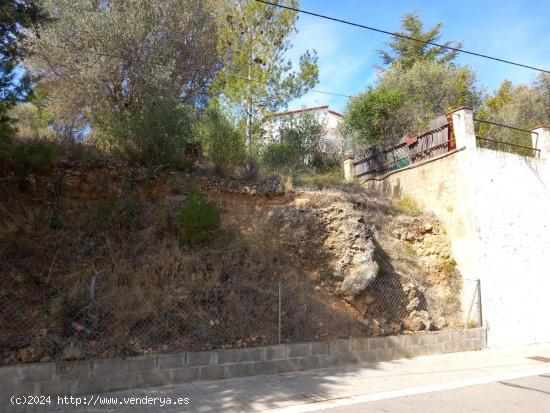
[408, 205]
[157, 135]
[31, 153]
[223, 144]
[278, 154]
[198, 218]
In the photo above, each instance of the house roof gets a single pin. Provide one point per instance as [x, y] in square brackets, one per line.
[313, 108]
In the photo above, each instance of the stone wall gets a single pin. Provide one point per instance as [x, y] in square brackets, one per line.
[85, 377]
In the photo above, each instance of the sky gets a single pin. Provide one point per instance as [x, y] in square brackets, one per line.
[512, 30]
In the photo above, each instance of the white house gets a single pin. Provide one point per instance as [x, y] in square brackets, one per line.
[330, 143]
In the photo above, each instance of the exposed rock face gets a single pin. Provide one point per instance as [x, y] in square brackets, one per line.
[331, 232]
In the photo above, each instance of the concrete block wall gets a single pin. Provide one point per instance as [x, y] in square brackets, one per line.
[87, 377]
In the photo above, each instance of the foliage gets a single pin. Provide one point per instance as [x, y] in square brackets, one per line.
[371, 116]
[15, 17]
[297, 140]
[25, 154]
[404, 101]
[523, 106]
[405, 52]
[105, 62]
[198, 218]
[408, 205]
[157, 135]
[256, 77]
[222, 142]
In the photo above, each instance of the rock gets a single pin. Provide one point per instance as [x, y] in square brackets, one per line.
[413, 304]
[420, 321]
[359, 277]
[30, 354]
[272, 185]
[368, 300]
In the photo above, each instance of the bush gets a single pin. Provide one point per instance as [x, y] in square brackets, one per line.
[278, 154]
[223, 144]
[198, 219]
[32, 153]
[157, 135]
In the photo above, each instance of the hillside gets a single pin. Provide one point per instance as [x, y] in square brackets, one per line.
[93, 265]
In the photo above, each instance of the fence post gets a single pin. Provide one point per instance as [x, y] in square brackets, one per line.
[541, 140]
[349, 169]
[279, 329]
[463, 127]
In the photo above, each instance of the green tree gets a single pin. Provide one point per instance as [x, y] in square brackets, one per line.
[108, 62]
[372, 116]
[297, 142]
[16, 16]
[406, 52]
[257, 77]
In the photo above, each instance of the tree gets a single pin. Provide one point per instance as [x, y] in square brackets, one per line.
[372, 116]
[107, 62]
[406, 52]
[257, 77]
[15, 17]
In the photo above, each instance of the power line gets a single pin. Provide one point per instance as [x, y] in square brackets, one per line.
[96, 53]
[402, 36]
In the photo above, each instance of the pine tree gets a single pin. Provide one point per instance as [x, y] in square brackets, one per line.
[406, 52]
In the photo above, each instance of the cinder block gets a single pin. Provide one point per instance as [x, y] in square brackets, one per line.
[121, 382]
[367, 356]
[410, 340]
[63, 387]
[185, 374]
[266, 367]
[203, 358]
[89, 386]
[359, 344]
[284, 366]
[473, 333]
[156, 378]
[336, 347]
[250, 354]
[385, 354]
[326, 360]
[451, 346]
[229, 356]
[378, 343]
[436, 348]
[306, 363]
[394, 341]
[73, 370]
[9, 374]
[171, 361]
[212, 372]
[297, 350]
[146, 363]
[349, 357]
[428, 339]
[317, 349]
[240, 369]
[275, 352]
[18, 389]
[36, 372]
[103, 368]
[443, 336]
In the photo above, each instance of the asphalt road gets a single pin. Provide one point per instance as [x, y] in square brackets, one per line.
[530, 394]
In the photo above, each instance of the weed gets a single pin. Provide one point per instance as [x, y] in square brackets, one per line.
[198, 218]
[382, 270]
[408, 205]
[449, 268]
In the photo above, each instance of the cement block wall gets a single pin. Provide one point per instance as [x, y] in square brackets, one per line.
[88, 377]
[496, 208]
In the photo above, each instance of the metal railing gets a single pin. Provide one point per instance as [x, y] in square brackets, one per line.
[378, 160]
[506, 138]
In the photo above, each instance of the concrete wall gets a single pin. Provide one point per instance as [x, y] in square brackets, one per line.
[86, 377]
[496, 208]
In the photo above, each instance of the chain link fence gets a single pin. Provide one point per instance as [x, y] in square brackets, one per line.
[96, 319]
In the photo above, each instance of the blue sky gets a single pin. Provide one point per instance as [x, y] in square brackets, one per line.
[512, 30]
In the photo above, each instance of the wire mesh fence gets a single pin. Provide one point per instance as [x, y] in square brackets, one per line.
[93, 320]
